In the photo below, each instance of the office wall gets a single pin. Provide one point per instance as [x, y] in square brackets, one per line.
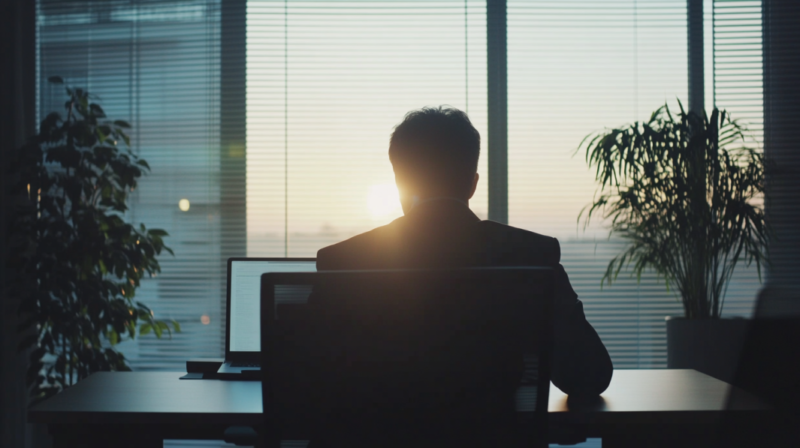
[17, 122]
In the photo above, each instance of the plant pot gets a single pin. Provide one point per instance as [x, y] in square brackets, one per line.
[710, 346]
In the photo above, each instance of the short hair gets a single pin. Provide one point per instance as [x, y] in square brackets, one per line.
[436, 146]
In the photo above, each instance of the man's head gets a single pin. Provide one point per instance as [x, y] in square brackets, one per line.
[434, 153]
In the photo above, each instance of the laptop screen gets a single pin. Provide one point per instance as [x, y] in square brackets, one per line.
[245, 296]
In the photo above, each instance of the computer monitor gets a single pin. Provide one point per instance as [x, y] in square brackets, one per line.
[244, 283]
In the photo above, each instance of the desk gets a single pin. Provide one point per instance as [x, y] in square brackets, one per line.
[656, 408]
[144, 408]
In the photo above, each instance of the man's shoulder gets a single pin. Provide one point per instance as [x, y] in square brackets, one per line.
[502, 244]
[504, 232]
[521, 242]
[354, 252]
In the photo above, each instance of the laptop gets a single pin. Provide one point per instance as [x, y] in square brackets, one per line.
[243, 326]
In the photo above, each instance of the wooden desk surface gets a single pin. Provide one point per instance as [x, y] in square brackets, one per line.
[634, 396]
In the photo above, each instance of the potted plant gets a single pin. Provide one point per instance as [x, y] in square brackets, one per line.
[75, 262]
[686, 193]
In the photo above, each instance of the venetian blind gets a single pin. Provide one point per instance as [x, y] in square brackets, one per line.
[738, 63]
[575, 67]
[781, 56]
[156, 65]
[737, 74]
[326, 83]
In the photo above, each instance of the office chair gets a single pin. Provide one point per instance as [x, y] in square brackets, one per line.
[769, 368]
[391, 358]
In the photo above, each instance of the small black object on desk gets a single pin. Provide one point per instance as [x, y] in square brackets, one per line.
[202, 368]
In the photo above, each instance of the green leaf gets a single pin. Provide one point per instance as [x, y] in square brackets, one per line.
[122, 124]
[113, 337]
[97, 110]
[55, 80]
[145, 329]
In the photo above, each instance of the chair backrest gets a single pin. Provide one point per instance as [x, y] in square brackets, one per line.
[427, 350]
[767, 374]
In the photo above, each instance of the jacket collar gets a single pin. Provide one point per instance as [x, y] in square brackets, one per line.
[442, 208]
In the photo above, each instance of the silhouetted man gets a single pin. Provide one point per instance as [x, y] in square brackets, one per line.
[434, 153]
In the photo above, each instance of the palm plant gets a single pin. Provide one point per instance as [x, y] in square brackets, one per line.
[686, 193]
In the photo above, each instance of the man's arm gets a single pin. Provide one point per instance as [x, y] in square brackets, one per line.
[581, 364]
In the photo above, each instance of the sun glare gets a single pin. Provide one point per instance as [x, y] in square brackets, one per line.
[383, 201]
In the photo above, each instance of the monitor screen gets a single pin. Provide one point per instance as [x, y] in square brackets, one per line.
[245, 311]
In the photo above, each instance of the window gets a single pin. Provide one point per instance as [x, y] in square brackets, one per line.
[738, 62]
[157, 66]
[575, 67]
[326, 81]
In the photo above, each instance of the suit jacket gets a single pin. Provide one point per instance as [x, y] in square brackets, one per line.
[446, 233]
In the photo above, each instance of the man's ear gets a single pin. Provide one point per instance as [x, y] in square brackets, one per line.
[474, 186]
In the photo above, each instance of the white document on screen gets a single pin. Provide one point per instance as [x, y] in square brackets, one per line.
[245, 327]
